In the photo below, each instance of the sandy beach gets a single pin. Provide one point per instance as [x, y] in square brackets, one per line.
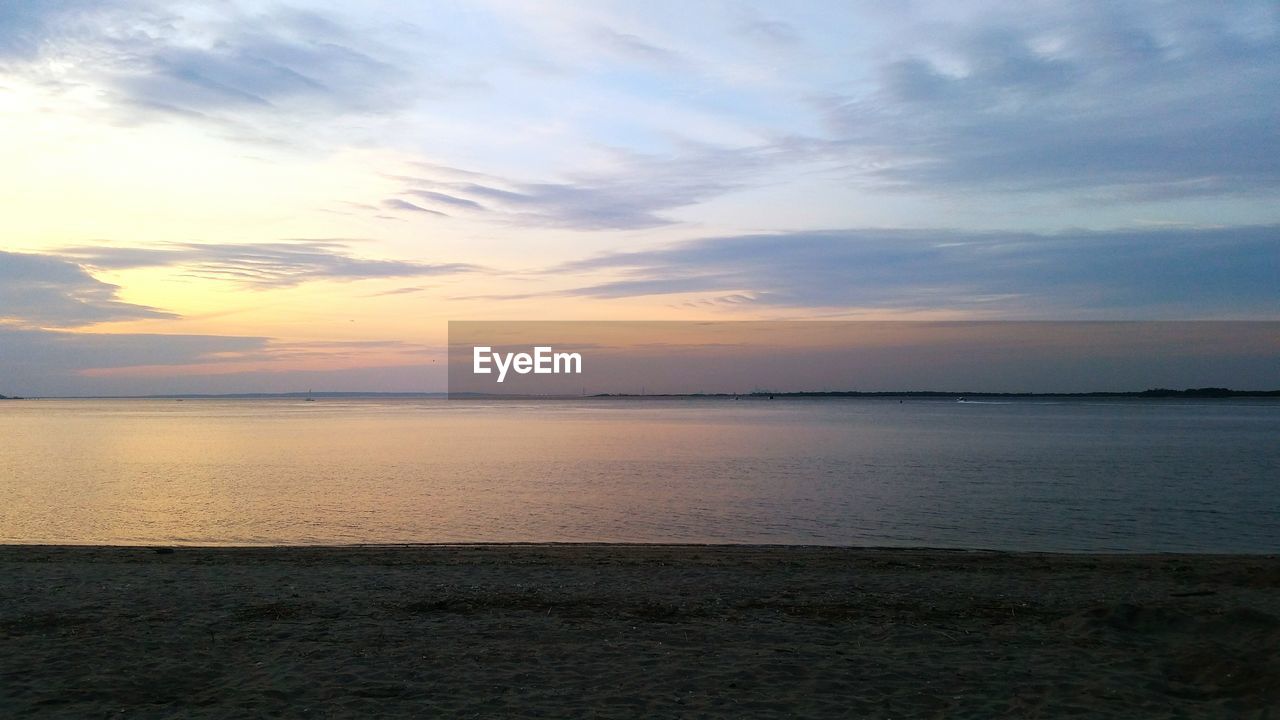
[631, 631]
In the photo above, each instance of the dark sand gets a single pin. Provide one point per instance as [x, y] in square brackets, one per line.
[634, 631]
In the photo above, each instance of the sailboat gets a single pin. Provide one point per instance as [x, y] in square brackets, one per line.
[309, 398]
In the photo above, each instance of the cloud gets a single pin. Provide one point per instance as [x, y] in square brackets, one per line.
[50, 362]
[1121, 274]
[634, 193]
[222, 65]
[770, 32]
[29, 28]
[446, 199]
[261, 265]
[1136, 101]
[330, 351]
[1098, 105]
[47, 291]
[398, 291]
[57, 362]
[1150, 104]
[399, 204]
[633, 47]
[56, 350]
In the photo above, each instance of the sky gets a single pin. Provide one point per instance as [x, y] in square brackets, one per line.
[271, 197]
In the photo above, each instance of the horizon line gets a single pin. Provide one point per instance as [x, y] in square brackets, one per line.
[1201, 393]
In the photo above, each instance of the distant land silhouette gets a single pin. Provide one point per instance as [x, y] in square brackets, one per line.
[1205, 392]
[1208, 392]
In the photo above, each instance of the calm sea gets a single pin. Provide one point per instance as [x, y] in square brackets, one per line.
[1123, 475]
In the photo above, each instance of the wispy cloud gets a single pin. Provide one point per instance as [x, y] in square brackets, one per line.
[398, 291]
[1131, 103]
[41, 361]
[35, 351]
[1139, 274]
[770, 32]
[633, 47]
[636, 192]
[401, 204]
[438, 197]
[1148, 103]
[250, 72]
[260, 265]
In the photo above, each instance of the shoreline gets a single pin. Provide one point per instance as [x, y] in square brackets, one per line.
[638, 545]
[548, 630]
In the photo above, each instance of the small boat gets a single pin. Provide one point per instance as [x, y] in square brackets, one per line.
[961, 400]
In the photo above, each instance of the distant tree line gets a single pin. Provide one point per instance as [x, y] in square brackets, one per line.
[1206, 392]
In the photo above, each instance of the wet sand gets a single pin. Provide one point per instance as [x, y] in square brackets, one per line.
[634, 631]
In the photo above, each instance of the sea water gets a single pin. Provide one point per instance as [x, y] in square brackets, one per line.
[1036, 474]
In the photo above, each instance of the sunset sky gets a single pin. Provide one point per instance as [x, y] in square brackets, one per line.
[257, 196]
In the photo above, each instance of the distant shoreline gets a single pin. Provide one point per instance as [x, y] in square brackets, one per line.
[1153, 393]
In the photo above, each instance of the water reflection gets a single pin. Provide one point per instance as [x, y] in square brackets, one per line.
[1119, 475]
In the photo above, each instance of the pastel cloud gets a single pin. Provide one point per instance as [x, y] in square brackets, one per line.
[1136, 102]
[260, 265]
[249, 74]
[1145, 103]
[1147, 274]
[637, 192]
[48, 291]
[58, 362]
